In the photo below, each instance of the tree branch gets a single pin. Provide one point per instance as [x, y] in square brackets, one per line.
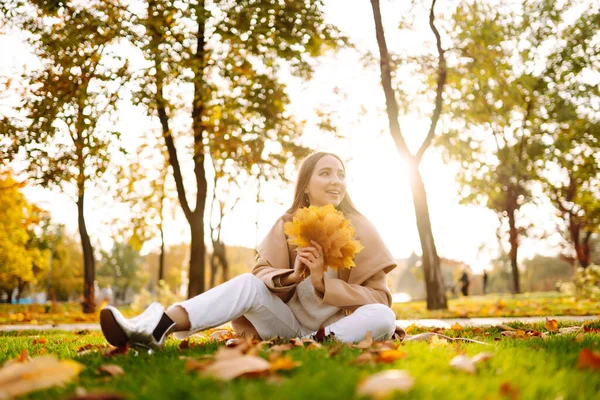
[442, 75]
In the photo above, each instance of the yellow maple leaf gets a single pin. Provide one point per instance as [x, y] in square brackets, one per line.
[328, 227]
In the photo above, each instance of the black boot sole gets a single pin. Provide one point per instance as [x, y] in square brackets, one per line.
[111, 330]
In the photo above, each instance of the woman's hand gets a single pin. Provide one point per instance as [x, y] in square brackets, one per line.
[312, 257]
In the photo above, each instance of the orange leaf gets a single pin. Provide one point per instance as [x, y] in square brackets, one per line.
[456, 327]
[588, 359]
[284, 363]
[551, 325]
[389, 356]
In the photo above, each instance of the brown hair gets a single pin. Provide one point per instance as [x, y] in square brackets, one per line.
[306, 170]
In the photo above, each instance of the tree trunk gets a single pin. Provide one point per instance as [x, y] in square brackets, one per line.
[161, 257]
[434, 282]
[436, 297]
[89, 273]
[514, 247]
[582, 248]
[197, 282]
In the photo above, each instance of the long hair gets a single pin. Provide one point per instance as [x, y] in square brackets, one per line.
[306, 170]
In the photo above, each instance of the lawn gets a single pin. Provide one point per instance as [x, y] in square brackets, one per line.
[522, 305]
[524, 365]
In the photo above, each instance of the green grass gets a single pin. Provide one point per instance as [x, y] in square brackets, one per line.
[522, 305]
[537, 368]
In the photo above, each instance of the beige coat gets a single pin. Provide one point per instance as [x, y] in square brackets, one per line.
[363, 284]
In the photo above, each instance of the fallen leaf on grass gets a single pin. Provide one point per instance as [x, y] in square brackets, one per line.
[410, 328]
[389, 356]
[39, 373]
[111, 369]
[381, 384]
[284, 363]
[505, 327]
[38, 341]
[113, 351]
[506, 389]
[197, 365]
[588, 359]
[228, 353]
[233, 368]
[222, 334]
[551, 325]
[456, 327]
[282, 347]
[437, 341]
[23, 357]
[463, 363]
[297, 342]
[364, 358]
[366, 343]
[579, 338]
[334, 350]
[482, 357]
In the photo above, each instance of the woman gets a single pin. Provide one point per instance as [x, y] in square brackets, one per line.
[275, 299]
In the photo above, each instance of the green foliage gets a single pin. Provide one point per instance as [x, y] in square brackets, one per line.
[163, 294]
[119, 267]
[587, 282]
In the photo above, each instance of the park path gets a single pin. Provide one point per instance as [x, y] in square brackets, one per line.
[441, 323]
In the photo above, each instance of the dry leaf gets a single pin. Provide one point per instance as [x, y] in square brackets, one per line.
[569, 329]
[297, 342]
[228, 353]
[437, 341]
[463, 363]
[111, 369]
[588, 359]
[383, 383]
[334, 350]
[284, 363]
[410, 328]
[366, 343]
[314, 345]
[40, 373]
[196, 365]
[23, 357]
[364, 358]
[579, 338]
[389, 356]
[222, 334]
[456, 327]
[235, 367]
[38, 341]
[506, 327]
[482, 357]
[282, 347]
[551, 325]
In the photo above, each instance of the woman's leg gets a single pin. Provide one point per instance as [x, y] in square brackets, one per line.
[377, 318]
[243, 295]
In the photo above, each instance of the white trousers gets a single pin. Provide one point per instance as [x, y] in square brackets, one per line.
[246, 295]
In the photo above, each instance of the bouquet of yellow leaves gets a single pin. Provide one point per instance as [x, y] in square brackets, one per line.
[328, 227]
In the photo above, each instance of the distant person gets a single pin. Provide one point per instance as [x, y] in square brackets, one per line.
[464, 282]
[485, 281]
[275, 299]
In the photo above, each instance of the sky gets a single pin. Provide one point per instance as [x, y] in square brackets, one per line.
[376, 174]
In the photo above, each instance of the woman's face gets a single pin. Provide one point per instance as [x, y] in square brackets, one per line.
[327, 185]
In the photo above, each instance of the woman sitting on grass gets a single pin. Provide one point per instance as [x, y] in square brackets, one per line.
[275, 299]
